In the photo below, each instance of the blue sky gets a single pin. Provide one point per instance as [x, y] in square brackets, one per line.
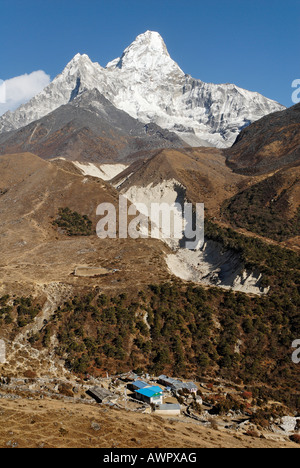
[253, 44]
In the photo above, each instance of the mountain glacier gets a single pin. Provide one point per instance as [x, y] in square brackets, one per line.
[147, 84]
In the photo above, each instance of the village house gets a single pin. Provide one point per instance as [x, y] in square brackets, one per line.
[177, 385]
[166, 381]
[156, 388]
[129, 377]
[169, 409]
[199, 400]
[150, 395]
[138, 385]
[191, 387]
[101, 395]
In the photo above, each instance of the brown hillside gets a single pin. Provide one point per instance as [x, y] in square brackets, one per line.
[271, 143]
[34, 252]
[202, 171]
[55, 424]
[270, 208]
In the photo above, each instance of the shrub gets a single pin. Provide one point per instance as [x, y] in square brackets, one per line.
[252, 433]
[29, 374]
[247, 395]
[295, 438]
[73, 223]
[66, 390]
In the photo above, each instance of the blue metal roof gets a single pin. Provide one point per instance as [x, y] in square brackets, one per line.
[148, 392]
[156, 389]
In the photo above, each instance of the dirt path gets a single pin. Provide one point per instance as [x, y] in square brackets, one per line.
[287, 244]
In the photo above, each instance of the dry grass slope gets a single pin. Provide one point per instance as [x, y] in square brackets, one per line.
[55, 424]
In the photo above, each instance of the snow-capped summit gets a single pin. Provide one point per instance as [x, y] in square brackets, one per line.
[82, 64]
[147, 84]
[148, 51]
[80, 74]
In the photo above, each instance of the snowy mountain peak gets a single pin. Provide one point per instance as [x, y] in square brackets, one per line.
[81, 62]
[147, 84]
[147, 52]
[150, 41]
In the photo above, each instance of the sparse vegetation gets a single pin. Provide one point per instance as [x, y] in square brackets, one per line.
[186, 330]
[18, 312]
[98, 333]
[261, 210]
[280, 267]
[73, 223]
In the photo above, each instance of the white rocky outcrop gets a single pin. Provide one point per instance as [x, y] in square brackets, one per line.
[212, 267]
[210, 264]
[287, 424]
[101, 171]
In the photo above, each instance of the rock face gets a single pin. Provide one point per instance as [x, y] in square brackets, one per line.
[212, 266]
[89, 128]
[147, 84]
[288, 424]
[209, 263]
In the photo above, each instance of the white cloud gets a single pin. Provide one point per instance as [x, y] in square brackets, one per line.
[22, 88]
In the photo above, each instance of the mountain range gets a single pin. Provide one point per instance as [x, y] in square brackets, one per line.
[148, 85]
[88, 129]
[72, 304]
[94, 121]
